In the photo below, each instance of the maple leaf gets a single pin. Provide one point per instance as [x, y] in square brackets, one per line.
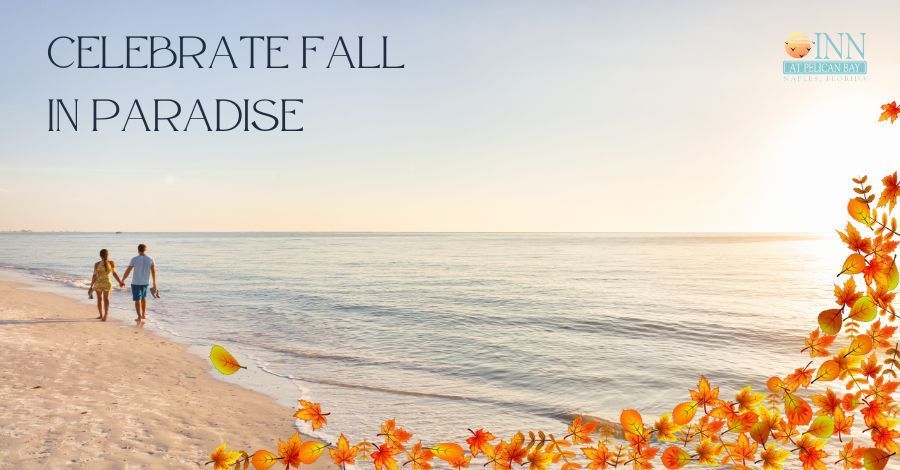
[854, 240]
[811, 453]
[478, 440]
[598, 456]
[891, 189]
[383, 457]
[741, 450]
[826, 403]
[665, 428]
[705, 395]
[343, 454]
[842, 423]
[539, 460]
[747, 399]
[311, 413]
[708, 452]
[816, 345]
[419, 457]
[847, 295]
[290, 451]
[394, 436]
[580, 430]
[772, 457]
[516, 450]
[851, 456]
[222, 458]
[889, 111]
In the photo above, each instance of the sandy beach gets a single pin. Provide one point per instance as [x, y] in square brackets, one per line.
[79, 392]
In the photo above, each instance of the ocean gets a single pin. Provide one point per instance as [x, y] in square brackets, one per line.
[446, 332]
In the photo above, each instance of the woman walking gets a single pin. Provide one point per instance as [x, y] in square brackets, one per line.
[102, 284]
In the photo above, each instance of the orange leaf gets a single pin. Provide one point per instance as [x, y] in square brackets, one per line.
[263, 459]
[858, 208]
[312, 413]
[684, 413]
[797, 410]
[854, 264]
[675, 457]
[889, 111]
[864, 309]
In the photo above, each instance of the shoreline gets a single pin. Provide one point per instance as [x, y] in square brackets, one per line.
[87, 393]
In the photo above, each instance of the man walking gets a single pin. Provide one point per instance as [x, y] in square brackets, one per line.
[144, 269]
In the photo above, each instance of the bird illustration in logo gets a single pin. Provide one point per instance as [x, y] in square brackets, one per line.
[797, 45]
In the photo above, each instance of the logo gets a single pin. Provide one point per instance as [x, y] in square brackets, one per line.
[838, 57]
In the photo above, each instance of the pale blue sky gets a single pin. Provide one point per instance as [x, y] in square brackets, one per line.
[518, 116]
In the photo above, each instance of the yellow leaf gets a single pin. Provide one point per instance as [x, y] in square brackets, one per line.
[223, 361]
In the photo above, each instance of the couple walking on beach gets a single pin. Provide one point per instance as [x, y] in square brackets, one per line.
[144, 271]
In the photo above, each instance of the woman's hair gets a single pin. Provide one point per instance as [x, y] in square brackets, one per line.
[104, 254]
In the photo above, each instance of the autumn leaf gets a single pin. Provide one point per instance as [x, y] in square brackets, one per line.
[797, 410]
[742, 450]
[311, 413]
[223, 361]
[419, 457]
[864, 310]
[394, 436]
[598, 456]
[830, 320]
[842, 422]
[263, 459]
[479, 439]
[822, 427]
[310, 451]
[747, 399]
[860, 346]
[772, 457]
[290, 451]
[854, 264]
[580, 431]
[881, 334]
[343, 453]
[448, 451]
[684, 413]
[222, 458]
[828, 371]
[889, 111]
[708, 452]
[675, 457]
[858, 209]
[383, 458]
[705, 395]
[875, 459]
[816, 344]
[666, 429]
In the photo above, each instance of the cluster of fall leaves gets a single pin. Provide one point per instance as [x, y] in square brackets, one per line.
[854, 342]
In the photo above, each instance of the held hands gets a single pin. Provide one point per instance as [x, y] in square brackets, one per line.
[122, 284]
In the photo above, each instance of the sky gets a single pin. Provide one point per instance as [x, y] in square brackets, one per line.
[509, 116]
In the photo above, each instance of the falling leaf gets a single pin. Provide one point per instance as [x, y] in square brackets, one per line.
[311, 413]
[223, 361]
[889, 111]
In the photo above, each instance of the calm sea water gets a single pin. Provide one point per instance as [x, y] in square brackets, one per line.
[448, 331]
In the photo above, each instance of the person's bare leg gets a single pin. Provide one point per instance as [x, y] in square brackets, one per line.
[143, 309]
[137, 308]
[105, 305]
[99, 304]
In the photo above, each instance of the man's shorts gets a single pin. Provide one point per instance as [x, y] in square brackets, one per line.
[138, 292]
